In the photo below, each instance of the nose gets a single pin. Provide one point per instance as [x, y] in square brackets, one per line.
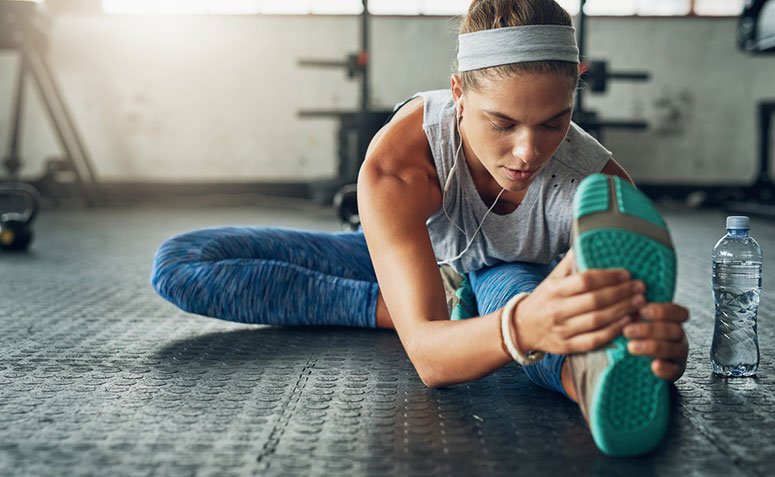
[526, 148]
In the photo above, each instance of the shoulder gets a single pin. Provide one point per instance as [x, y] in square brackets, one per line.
[584, 154]
[437, 104]
[401, 143]
[615, 169]
[400, 154]
[581, 152]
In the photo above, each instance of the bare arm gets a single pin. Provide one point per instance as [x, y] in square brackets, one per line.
[398, 191]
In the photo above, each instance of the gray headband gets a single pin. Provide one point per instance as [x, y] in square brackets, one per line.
[503, 46]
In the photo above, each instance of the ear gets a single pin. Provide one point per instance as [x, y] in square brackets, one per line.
[457, 92]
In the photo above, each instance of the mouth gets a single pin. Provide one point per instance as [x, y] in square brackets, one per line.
[518, 175]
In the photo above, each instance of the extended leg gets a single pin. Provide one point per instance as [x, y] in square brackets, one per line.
[493, 287]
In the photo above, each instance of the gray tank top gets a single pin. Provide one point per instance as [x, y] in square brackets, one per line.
[537, 231]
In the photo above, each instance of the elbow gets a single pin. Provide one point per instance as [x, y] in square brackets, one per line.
[433, 384]
[428, 373]
[429, 380]
[433, 372]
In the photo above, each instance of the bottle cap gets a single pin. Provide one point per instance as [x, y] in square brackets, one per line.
[738, 222]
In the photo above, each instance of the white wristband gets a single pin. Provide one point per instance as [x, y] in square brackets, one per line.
[522, 358]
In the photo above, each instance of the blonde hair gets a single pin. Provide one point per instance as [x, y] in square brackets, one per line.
[491, 14]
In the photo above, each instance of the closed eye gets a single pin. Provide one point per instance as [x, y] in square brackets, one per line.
[500, 128]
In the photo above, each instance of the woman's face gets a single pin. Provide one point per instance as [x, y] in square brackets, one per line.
[514, 125]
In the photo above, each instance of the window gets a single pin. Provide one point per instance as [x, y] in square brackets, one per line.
[657, 7]
[718, 7]
[638, 7]
[395, 7]
[445, 7]
[418, 7]
[231, 7]
[410, 7]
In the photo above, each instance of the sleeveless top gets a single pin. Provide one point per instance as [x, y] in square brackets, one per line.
[537, 231]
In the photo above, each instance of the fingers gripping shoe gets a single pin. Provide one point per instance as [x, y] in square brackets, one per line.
[616, 226]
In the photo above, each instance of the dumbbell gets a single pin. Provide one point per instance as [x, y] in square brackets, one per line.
[19, 204]
[596, 75]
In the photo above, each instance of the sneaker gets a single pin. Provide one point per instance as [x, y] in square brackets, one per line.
[615, 226]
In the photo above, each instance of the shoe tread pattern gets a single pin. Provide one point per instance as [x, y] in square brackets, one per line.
[595, 192]
[631, 202]
[646, 259]
[630, 410]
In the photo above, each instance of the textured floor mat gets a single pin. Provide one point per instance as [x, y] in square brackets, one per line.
[99, 376]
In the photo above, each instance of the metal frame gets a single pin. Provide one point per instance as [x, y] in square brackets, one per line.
[356, 127]
[31, 60]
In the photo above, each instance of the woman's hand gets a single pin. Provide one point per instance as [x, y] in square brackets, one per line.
[662, 337]
[577, 312]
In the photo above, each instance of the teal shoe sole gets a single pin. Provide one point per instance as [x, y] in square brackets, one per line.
[466, 307]
[616, 226]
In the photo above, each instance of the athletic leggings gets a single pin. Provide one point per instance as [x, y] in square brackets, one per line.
[290, 277]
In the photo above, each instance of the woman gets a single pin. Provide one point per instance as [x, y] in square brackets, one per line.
[478, 182]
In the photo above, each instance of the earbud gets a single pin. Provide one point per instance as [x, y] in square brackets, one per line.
[457, 152]
[447, 183]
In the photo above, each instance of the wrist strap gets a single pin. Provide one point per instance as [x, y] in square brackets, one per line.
[516, 354]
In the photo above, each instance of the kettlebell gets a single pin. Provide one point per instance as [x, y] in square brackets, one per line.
[19, 204]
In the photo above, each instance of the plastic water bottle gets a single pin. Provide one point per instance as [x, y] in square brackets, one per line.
[737, 285]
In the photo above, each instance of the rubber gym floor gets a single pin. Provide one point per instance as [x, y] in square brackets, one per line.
[100, 376]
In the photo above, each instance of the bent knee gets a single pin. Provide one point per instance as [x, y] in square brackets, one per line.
[173, 261]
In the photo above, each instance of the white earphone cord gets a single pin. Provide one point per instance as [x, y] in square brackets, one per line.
[444, 207]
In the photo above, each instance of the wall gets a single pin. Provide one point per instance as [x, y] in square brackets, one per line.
[208, 99]
[701, 102]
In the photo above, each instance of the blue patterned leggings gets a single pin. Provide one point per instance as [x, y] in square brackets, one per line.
[292, 277]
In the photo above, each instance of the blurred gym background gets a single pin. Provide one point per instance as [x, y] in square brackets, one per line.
[183, 98]
[124, 122]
